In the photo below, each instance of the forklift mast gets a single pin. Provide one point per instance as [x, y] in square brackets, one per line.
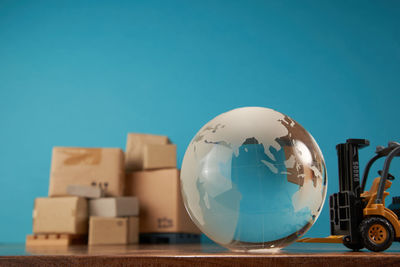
[349, 167]
[346, 206]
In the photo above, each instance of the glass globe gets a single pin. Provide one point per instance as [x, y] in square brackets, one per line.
[253, 179]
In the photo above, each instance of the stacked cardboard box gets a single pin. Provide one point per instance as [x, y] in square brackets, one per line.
[94, 195]
[78, 177]
[153, 177]
[102, 167]
[113, 221]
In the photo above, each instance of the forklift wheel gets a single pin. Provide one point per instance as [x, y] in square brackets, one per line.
[377, 233]
[352, 246]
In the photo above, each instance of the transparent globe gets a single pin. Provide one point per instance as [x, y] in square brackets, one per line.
[253, 179]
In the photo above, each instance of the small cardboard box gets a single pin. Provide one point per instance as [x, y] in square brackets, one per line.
[135, 148]
[102, 167]
[108, 231]
[133, 230]
[159, 156]
[114, 207]
[67, 215]
[161, 205]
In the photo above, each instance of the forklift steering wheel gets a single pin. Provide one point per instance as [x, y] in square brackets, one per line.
[390, 177]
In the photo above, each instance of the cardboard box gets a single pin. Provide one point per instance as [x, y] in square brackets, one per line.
[161, 205]
[102, 167]
[85, 191]
[114, 207]
[134, 151]
[108, 231]
[159, 156]
[113, 231]
[68, 215]
[133, 230]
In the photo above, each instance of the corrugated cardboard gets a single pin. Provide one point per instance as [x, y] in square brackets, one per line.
[133, 230]
[161, 206]
[108, 231]
[159, 156]
[114, 207]
[67, 215]
[135, 148]
[85, 191]
[102, 167]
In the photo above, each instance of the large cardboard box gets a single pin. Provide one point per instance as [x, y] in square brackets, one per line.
[102, 167]
[68, 215]
[161, 205]
[159, 156]
[114, 207]
[134, 151]
[108, 231]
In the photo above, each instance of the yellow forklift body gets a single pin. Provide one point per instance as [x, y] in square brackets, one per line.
[380, 210]
[373, 209]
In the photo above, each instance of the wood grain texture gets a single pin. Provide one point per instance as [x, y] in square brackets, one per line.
[194, 255]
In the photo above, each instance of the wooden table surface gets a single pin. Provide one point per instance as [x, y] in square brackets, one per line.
[298, 254]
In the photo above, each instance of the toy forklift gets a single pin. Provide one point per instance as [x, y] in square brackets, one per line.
[360, 215]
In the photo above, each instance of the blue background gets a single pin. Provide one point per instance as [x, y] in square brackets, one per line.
[85, 73]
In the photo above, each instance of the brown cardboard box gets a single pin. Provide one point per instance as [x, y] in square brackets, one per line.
[108, 231]
[68, 215]
[114, 207]
[133, 230]
[135, 148]
[161, 206]
[102, 167]
[159, 156]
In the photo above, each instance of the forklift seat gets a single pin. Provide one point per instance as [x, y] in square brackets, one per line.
[374, 189]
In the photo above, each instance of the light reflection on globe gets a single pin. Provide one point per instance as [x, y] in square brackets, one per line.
[253, 179]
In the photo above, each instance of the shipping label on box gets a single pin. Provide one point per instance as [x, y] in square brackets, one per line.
[161, 205]
[108, 231]
[134, 151]
[85, 191]
[103, 167]
[159, 156]
[114, 207]
[67, 215]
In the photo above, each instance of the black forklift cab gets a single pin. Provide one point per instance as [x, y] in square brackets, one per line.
[391, 151]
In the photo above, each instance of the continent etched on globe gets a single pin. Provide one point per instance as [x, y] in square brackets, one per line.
[253, 179]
